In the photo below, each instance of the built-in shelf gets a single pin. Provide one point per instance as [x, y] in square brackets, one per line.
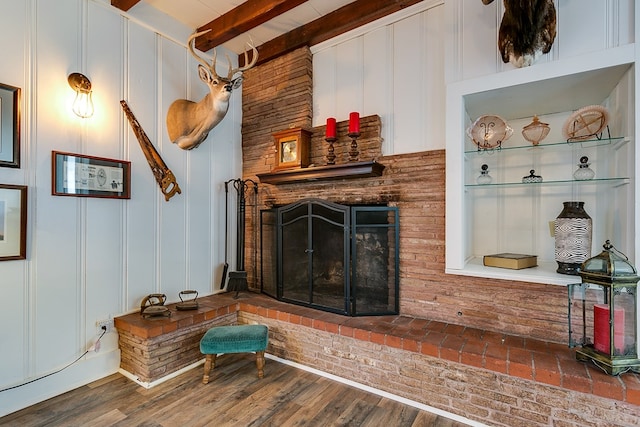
[545, 273]
[613, 181]
[504, 216]
[318, 173]
[615, 141]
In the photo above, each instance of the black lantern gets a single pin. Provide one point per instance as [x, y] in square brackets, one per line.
[604, 307]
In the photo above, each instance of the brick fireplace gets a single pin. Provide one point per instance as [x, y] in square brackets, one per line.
[277, 95]
[491, 350]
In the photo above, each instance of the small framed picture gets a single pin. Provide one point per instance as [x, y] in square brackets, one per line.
[88, 176]
[13, 222]
[9, 126]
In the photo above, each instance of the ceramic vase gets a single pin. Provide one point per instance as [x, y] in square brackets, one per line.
[572, 229]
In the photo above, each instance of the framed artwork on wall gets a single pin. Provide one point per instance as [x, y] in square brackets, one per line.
[89, 176]
[13, 222]
[9, 126]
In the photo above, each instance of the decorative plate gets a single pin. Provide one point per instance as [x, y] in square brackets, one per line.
[585, 123]
[489, 131]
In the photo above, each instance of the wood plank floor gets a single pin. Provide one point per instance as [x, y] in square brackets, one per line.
[286, 397]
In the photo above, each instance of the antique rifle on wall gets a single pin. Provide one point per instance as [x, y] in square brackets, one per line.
[165, 178]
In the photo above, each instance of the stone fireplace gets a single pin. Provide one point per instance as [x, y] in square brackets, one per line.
[277, 95]
[332, 257]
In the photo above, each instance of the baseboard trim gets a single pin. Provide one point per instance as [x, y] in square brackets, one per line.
[151, 384]
[378, 392]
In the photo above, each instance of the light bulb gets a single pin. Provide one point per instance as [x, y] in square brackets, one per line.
[83, 103]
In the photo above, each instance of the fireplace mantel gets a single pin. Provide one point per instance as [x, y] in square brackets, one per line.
[342, 171]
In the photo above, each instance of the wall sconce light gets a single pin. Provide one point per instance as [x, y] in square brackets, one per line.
[83, 104]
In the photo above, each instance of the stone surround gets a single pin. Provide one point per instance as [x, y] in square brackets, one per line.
[277, 95]
[493, 378]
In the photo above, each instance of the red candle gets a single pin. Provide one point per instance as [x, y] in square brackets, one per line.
[331, 128]
[602, 329]
[354, 122]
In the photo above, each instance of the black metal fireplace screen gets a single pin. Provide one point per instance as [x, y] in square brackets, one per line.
[337, 258]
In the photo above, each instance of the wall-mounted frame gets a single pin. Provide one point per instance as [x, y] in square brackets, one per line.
[13, 222]
[9, 126]
[88, 176]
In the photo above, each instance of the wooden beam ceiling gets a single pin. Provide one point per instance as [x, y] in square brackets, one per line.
[124, 4]
[241, 19]
[348, 17]
[253, 13]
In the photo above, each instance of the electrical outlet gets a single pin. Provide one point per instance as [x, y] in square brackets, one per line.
[107, 324]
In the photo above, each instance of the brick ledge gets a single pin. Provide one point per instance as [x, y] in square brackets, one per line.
[540, 361]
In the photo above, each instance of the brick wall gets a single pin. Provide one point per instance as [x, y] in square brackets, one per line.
[499, 379]
[479, 394]
[150, 353]
[278, 95]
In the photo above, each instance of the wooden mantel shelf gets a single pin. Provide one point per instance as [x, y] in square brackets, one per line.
[342, 171]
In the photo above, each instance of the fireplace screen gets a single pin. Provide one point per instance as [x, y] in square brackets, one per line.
[337, 258]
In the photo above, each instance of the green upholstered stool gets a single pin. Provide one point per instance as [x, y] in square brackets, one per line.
[234, 339]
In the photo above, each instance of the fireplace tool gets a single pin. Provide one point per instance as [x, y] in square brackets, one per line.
[225, 268]
[238, 279]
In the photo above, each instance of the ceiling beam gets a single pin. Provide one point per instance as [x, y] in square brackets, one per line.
[124, 4]
[241, 19]
[340, 21]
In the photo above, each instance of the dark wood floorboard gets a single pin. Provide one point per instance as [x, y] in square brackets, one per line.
[285, 397]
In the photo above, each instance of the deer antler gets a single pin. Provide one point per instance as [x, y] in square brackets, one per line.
[190, 44]
[254, 59]
[212, 67]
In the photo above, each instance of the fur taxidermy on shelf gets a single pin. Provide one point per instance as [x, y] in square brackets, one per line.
[528, 28]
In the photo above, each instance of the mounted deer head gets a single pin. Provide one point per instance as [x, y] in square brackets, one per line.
[528, 27]
[188, 122]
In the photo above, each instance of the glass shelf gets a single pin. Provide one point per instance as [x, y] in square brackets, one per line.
[587, 143]
[617, 181]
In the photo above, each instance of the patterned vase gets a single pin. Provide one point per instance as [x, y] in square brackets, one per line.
[573, 237]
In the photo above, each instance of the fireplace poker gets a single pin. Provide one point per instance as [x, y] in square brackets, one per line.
[225, 268]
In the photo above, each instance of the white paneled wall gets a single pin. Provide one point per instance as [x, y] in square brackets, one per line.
[582, 26]
[89, 258]
[393, 67]
[397, 67]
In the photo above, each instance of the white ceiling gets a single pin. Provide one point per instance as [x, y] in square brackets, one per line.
[196, 13]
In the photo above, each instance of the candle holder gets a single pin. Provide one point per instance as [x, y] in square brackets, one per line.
[331, 157]
[353, 151]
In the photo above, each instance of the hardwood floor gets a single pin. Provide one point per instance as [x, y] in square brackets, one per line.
[286, 397]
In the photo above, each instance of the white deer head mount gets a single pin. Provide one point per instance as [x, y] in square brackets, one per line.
[188, 122]
[528, 28]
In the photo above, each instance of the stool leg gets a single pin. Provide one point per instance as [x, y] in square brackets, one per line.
[260, 363]
[209, 363]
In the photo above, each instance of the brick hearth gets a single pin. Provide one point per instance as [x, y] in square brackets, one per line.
[483, 375]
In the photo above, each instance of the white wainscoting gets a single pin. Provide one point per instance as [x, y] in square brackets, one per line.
[90, 259]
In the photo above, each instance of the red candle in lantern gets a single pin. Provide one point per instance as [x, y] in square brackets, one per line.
[331, 128]
[354, 122]
[602, 329]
